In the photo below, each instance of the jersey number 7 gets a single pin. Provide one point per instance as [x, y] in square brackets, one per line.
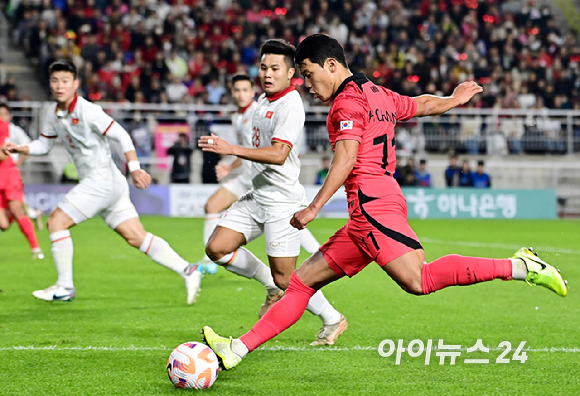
[383, 140]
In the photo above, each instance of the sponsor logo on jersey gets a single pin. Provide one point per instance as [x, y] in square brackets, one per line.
[75, 121]
[269, 114]
[344, 125]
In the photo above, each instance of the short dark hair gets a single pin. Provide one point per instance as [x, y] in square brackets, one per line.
[318, 48]
[5, 106]
[62, 66]
[279, 47]
[423, 161]
[241, 77]
[480, 162]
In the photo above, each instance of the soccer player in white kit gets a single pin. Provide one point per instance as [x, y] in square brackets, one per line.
[276, 194]
[102, 190]
[243, 95]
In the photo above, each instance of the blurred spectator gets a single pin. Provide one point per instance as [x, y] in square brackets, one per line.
[176, 90]
[177, 65]
[215, 91]
[452, 172]
[465, 175]
[321, 175]
[480, 178]
[181, 152]
[408, 174]
[422, 176]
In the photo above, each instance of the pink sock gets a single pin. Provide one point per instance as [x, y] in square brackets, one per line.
[454, 270]
[282, 315]
[28, 230]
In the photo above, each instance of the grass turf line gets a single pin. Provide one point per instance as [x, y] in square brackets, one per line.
[126, 300]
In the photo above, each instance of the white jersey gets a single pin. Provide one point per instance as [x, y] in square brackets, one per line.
[242, 123]
[278, 118]
[19, 137]
[83, 129]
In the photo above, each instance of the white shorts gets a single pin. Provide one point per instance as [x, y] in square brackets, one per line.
[107, 198]
[248, 218]
[238, 185]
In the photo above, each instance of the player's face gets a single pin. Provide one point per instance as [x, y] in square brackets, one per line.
[318, 80]
[63, 86]
[5, 114]
[243, 93]
[275, 75]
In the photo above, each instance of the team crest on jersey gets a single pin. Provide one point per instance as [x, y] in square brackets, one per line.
[75, 121]
[269, 114]
[345, 125]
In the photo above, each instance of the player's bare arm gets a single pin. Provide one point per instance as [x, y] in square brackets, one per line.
[11, 148]
[141, 179]
[21, 159]
[429, 105]
[342, 163]
[223, 169]
[3, 154]
[273, 155]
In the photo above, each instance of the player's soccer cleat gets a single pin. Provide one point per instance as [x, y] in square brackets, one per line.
[207, 267]
[541, 273]
[55, 293]
[329, 333]
[192, 277]
[222, 347]
[37, 254]
[273, 296]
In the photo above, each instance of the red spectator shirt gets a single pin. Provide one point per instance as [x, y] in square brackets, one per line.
[8, 163]
[368, 113]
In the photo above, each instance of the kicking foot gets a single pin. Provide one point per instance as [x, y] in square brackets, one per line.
[329, 333]
[207, 267]
[192, 277]
[273, 296]
[541, 273]
[55, 293]
[37, 254]
[222, 347]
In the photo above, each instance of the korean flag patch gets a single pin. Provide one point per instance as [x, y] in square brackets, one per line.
[344, 125]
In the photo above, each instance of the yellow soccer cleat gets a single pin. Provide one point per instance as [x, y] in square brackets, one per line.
[222, 347]
[541, 273]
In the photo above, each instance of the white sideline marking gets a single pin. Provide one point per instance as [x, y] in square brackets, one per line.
[267, 349]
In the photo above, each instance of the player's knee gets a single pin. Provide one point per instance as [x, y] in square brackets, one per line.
[281, 281]
[4, 225]
[17, 210]
[134, 241]
[211, 207]
[413, 286]
[213, 251]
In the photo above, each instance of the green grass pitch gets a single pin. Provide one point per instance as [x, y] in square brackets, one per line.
[114, 339]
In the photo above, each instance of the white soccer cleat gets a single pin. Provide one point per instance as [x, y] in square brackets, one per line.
[55, 293]
[37, 254]
[192, 277]
[329, 333]
[272, 298]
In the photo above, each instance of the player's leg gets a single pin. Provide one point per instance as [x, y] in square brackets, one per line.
[122, 217]
[58, 226]
[26, 227]
[215, 205]
[308, 242]
[312, 275]
[4, 219]
[283, 247]
[234, 230]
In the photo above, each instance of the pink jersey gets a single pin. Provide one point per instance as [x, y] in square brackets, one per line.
[368, 113]
[8, 163]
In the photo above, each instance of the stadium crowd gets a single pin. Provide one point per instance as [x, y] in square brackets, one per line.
[160, 51]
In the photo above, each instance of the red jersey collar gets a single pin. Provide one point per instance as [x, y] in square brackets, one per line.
[278, 95]
[242, 110]
[71, 106]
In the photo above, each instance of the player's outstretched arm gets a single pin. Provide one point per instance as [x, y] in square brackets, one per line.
[275, 154]
[37, 147]
[429, 105]
[141, 179]
[223, 169]
[342, 163]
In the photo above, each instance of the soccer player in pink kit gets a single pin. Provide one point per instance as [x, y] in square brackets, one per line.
[361, 127]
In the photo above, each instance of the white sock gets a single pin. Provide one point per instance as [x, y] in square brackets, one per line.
[308, 242]
[209, 224]
[160, 252]
[242, 262]
[319, 306]
[519, 269]
[239, 348]
[62, 254]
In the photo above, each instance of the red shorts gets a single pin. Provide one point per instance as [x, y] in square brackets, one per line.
[11, 188]
[377, 230]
